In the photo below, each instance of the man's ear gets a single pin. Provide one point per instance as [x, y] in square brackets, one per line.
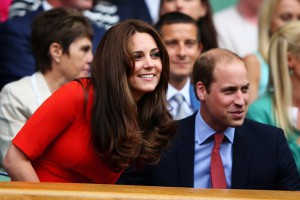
[201, 91]
[56, 52]
[200, 48]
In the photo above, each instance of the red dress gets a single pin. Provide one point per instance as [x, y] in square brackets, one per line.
[57, 139]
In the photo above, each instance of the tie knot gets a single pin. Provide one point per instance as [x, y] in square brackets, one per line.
[179, 98]
[218, 137]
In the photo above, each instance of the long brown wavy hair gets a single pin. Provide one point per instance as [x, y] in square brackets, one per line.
[124, 130]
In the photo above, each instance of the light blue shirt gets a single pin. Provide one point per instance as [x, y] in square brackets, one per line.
[204, 143]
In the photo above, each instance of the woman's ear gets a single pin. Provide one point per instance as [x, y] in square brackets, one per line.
[56, 52]
[201, 91]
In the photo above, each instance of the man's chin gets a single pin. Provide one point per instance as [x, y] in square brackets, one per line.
[236, 123]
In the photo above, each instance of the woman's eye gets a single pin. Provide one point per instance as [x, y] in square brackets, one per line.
[86, 48]
[137, 56]
[155, 54]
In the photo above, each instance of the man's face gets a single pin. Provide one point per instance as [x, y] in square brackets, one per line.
[194, 8]
[183, 48]
[227, 102]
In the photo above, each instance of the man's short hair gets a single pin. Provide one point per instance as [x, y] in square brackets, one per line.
[205, 64]
[176, 18]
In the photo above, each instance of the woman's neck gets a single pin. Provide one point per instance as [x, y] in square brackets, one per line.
[54, 81]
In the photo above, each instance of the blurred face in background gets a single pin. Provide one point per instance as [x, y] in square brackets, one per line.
[76, 63]
[253, 4]
[194, 8]
[286, 11]
[183, 48]
[77, 4]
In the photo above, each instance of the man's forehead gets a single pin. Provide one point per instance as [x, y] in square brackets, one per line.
[228, 72]
[229, 65]
[180, 27]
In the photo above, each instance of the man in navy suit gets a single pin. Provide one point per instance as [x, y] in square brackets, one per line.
[16, 57]
[254, 155]
[181, 36]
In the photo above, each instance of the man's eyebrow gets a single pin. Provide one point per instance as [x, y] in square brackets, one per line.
[231, 88]
[246, 85]
[228, 88]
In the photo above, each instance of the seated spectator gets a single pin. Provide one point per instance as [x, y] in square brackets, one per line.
[217, 147]
[273, 14]
[17, 60]
[280, 105]
[237, 27]
[200, 11]
[61, 56]
[89, 130]
[182, 39]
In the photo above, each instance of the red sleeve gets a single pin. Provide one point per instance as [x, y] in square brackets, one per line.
[50, 120]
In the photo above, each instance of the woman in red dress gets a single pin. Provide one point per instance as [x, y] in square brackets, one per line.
[90, 129]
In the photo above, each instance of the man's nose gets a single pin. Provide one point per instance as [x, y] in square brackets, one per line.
[239, 98]
[179, 4]
[181, 50]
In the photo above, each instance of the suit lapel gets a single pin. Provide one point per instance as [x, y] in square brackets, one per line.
[240, 158]
[186, 151]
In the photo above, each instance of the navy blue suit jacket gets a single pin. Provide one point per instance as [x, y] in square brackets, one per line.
[16, 57]
[261, 160]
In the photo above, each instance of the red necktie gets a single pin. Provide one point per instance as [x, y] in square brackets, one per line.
[217, 174]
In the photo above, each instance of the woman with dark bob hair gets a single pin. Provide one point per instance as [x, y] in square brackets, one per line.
[92, 128]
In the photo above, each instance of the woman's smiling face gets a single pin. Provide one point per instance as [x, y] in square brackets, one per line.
[148, 66]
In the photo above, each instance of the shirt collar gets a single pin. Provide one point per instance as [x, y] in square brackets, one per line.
[203, 131]
[185, 91]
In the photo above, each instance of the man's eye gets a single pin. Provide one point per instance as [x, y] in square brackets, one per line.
[245, 90]
[228, 92]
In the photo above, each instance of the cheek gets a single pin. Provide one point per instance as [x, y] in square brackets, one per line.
[221, 102]
[159, 67]
[193, 53]
[195, 13]
[276, 24]
[168, 7]
[171, 52]
[246, 98]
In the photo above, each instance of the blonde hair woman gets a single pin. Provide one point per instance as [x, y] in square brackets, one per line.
[280, 106]
[273, 15]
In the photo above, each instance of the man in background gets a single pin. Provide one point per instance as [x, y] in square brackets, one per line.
[182, 39]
